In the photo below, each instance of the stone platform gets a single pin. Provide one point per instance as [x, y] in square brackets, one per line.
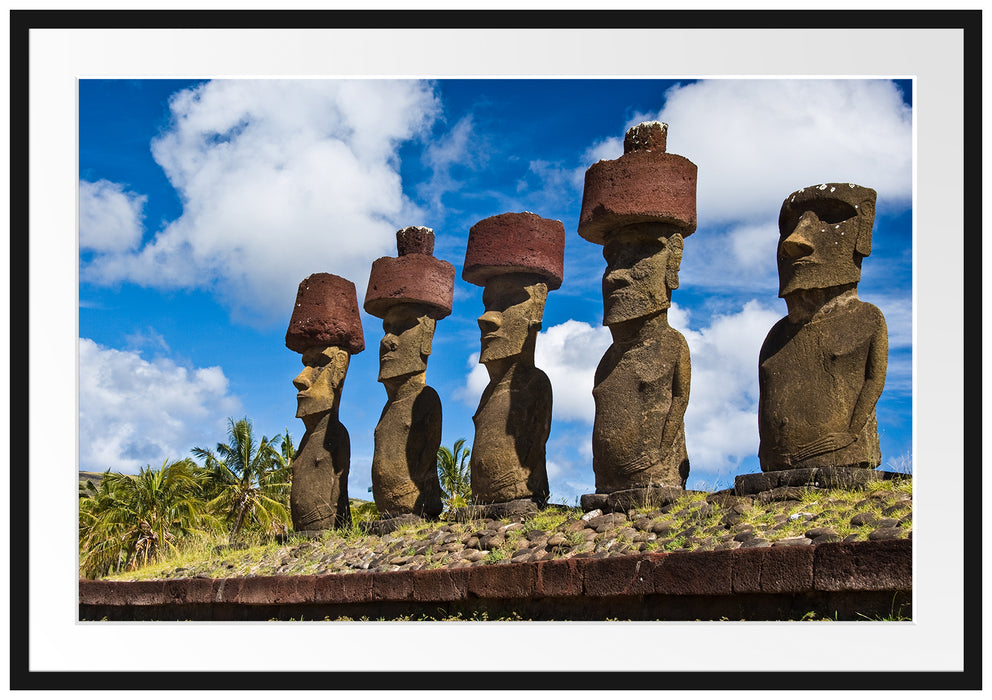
[622, 501]
[496, 511]
[816, 477]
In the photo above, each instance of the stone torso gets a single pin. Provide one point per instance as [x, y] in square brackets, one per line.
[404, 465]
[319, 493]
[633, 394]
[512, 425]
[810, 378]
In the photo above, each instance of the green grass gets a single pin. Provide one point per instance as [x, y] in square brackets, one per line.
[265, 557]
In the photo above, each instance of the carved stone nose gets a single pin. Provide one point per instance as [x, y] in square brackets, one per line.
[389, 342]
[796, 244]
[489, 322]
[302, 380]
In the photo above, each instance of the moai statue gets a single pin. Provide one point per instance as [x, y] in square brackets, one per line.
[326, 328]
[517, 258]
[640, 207]
[822, 367]
[409, 293]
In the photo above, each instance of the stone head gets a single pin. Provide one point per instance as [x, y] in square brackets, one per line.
[408, 332]
[514, 305]
[319, 383]
[824, 232]
[642, 269]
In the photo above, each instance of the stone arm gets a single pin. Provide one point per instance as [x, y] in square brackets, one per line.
[342, 465]
[875, 367]
[427, 429]
[532, 426]
[680, 398]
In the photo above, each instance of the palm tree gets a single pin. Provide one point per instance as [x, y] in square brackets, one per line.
[248, 482]
[453, 473]
[133, 519]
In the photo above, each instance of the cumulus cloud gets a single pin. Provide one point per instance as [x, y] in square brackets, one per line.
[721, 422]
[569, 353]
[134, 412]
[278, 179]
[461, 146]
[110, 217]
[756, 141]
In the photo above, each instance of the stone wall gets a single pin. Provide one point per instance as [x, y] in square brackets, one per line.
[844, 581]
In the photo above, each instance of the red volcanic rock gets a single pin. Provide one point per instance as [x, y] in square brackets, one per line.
[515, 242]
[644, 185]
[326, 313]
[415, 276]
[415, 239]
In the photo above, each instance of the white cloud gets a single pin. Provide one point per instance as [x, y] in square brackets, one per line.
[756, 141]
[722, 417]
[462, 145]
[134, 412]
[569, 353]
[110, 217]
[278, 179]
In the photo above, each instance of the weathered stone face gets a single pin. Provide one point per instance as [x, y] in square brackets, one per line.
[409, 293]
[319, 383]
[514, 305]
[513, 421]
[822, 368]
[639, 207]
[642, 266]
[319, 494]
[406, 344]
[825, 231]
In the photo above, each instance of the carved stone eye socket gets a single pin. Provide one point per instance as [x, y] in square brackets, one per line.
[828, 211]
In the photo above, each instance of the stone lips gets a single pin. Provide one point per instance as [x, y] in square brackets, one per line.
[638, 187]
[515, 242]
[326, 313]
[410, 278]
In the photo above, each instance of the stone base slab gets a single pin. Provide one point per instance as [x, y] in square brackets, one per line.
[496, 511]
[816, 477]
[388, 525]
[622, 501]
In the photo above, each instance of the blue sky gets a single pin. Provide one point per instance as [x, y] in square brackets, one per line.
[204, 203]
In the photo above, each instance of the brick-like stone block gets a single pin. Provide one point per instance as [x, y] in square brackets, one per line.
[392, 585]
[886, 565]
[440, 585]
[787, 569]
[190, 590]
[326, 313]
[139, 592]
[275, 590]
[746, 574]
[100, 592]
[695, 573]
[503, 581]
[343, 588]
[515, 242]
[626, 575]
[559, 578]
